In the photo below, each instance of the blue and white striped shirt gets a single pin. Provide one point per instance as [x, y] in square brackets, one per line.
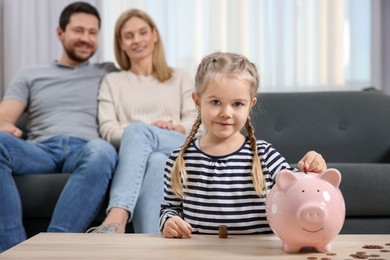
[220, 190]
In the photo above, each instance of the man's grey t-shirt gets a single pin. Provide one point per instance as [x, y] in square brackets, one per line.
[60, 100]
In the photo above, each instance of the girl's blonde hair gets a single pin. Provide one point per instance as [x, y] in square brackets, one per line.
[211, 68]
[161, 69]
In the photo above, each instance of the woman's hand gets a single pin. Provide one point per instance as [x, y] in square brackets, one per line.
[312, 162]
[176, 227]
[169, 125]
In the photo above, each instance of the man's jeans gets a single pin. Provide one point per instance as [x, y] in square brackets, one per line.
[138, 183]
[91, 164]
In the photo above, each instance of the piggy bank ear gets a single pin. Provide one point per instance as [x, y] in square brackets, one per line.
[332, 176]
[285, 179]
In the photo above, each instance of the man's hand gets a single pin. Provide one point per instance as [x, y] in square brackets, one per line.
[312, 162]
[10, 111]
[11, 129]
[175, 227]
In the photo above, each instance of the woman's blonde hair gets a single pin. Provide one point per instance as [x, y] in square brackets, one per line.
[161, 69]
[211, 68]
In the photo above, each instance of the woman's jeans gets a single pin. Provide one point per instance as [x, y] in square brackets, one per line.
[91, 164]
[138, 183]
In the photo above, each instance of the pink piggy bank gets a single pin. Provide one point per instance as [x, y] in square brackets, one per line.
[306, 209]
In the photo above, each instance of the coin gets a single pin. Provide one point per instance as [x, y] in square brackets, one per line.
[222, 231]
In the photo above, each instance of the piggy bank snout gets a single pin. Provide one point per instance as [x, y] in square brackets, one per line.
[312, 214]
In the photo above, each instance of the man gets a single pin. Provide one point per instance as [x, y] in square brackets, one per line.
[61, 102]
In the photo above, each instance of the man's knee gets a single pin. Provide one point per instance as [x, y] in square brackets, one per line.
[7, 141]
[6, 138]
[101, 151]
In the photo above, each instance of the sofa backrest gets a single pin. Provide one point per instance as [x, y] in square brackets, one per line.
[343, 126]
[349, 127]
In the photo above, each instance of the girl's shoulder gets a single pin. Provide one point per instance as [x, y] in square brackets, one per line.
[175, 153]
[191, 149]
[264, 147]
[262, 144]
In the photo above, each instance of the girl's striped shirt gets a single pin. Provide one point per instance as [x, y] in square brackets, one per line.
[219, 189]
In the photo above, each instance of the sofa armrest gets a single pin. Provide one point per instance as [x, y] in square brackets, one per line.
[365, 188]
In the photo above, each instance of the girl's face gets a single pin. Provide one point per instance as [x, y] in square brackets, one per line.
[224, 105]
[138, 39]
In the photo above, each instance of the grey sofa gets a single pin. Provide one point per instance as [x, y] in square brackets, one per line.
[350, 129]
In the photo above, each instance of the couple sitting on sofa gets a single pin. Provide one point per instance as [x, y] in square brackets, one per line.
[63, 135]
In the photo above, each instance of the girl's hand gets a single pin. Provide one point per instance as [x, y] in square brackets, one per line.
[175, 227]
[169, 125]
[312, 162]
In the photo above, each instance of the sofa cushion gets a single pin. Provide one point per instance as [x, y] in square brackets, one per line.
[40, 192]
[366, 225]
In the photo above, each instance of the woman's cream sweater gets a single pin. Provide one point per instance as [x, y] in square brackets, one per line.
[125, 97]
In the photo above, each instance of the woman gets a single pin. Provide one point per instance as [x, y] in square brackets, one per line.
[145, 110]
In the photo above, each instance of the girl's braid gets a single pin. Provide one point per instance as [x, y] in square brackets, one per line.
[179, 172]
[257, 172]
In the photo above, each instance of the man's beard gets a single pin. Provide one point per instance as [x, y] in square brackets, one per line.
[73, 55]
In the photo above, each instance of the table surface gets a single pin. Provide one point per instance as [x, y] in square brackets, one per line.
[143, 246]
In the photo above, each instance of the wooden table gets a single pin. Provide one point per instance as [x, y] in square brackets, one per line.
[140, 246]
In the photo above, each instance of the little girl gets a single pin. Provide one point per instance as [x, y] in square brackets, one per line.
[223, 177]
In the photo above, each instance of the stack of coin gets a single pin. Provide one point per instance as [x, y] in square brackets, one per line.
[223, 231]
